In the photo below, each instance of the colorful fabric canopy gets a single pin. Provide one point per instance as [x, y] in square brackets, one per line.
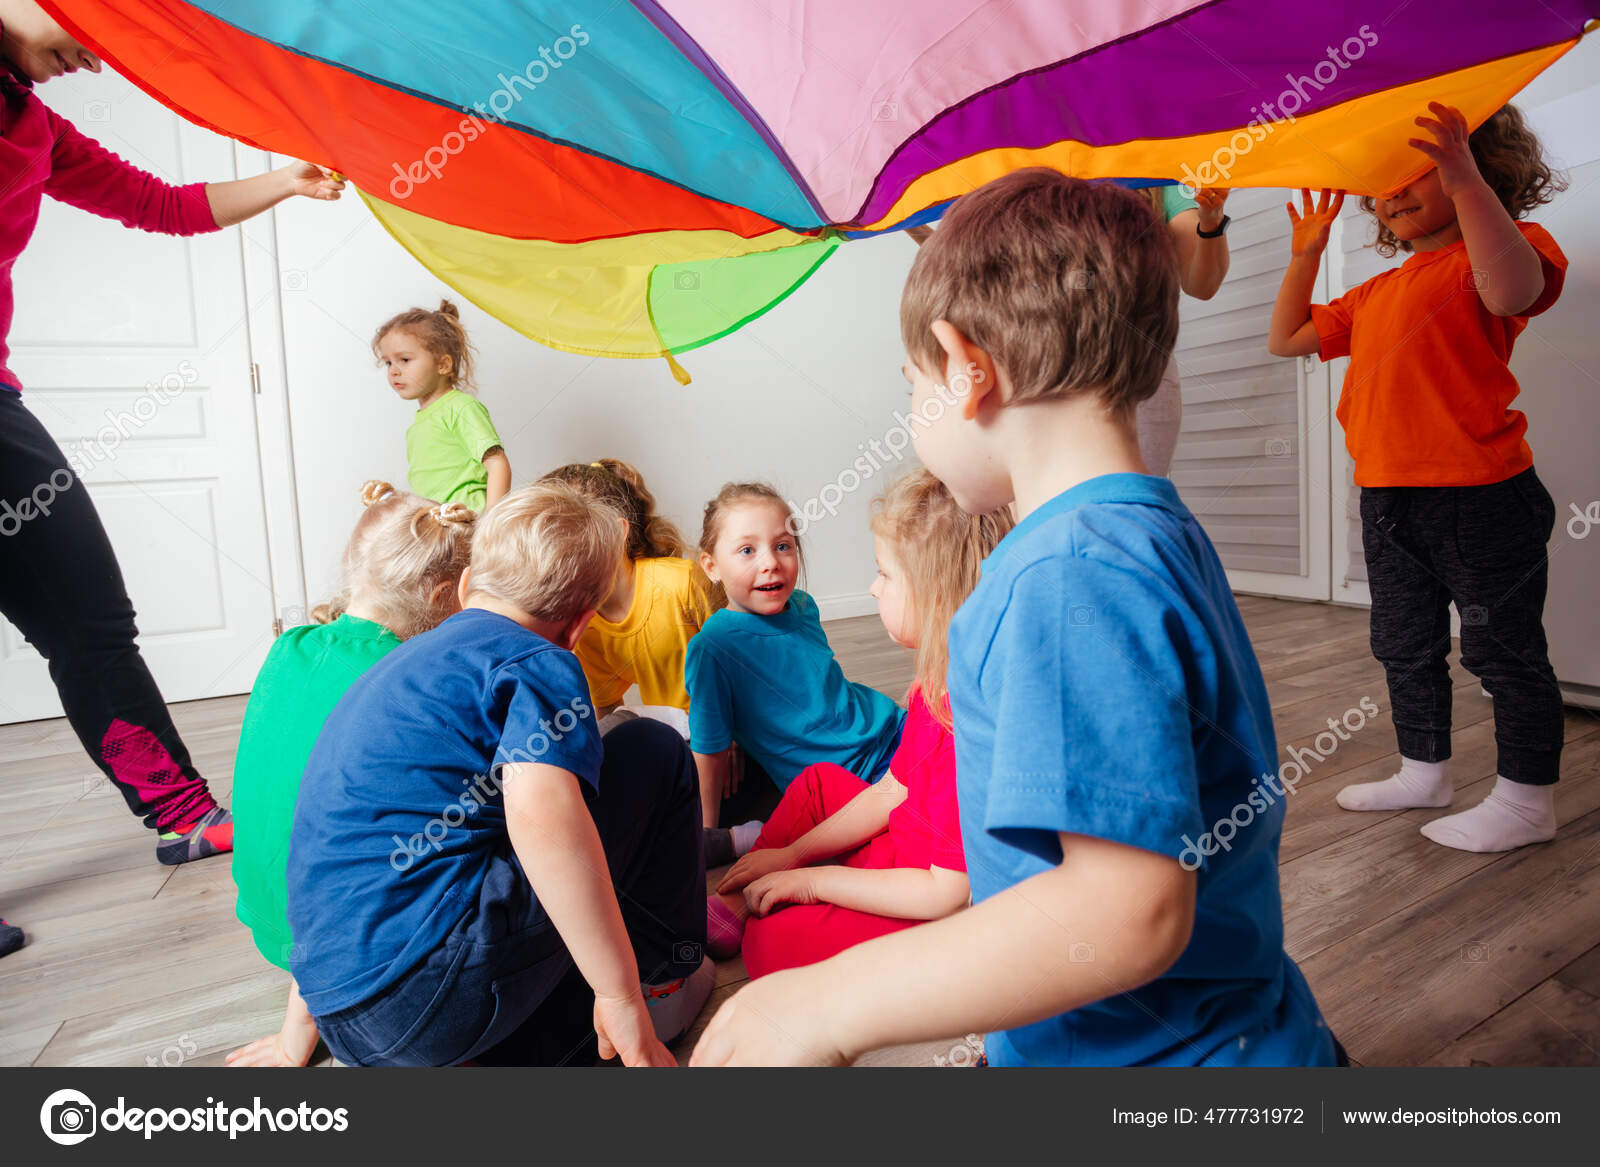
[637, 178]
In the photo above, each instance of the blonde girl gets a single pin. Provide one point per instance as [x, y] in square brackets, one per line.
[452, 448]
[397, 579]
[898, 842]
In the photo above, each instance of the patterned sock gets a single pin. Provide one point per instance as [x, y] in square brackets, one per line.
[212, 834]
[674, 1005]
[1514, 815]
[724, 929]
[11, 938]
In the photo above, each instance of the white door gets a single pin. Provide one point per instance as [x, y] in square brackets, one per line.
[134, 352]
[1252, 456]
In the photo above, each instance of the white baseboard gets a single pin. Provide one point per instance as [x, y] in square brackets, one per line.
[844, 606]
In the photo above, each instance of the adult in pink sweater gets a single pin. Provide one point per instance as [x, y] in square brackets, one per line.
[59, 580]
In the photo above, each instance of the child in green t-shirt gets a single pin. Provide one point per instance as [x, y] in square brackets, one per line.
[452, 449]
[398, 579]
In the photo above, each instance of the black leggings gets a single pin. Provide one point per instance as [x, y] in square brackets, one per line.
[1484, 548]
[61, 586]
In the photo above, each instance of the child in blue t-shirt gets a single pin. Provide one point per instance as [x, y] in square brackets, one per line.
[760, 672]
[1115, 757]
[450, 886]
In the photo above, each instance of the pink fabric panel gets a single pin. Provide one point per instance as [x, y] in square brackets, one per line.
[842, 83]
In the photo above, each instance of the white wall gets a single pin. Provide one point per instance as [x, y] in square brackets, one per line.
[787, 398]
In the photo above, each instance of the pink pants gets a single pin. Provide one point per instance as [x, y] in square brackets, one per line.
[799, 934]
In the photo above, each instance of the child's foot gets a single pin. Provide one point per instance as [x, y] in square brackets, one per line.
[212, 834]
[745, 836]
[11, 938]
[675, 1004]
[724, 929]
[1514, 815]
[1417, 784]
[724, 845]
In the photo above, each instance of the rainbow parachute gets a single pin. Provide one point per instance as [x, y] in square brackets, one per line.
[635, 179]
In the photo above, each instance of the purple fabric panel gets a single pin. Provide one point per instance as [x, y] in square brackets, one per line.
[1213, 68]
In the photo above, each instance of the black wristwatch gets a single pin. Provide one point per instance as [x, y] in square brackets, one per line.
[1221, 230]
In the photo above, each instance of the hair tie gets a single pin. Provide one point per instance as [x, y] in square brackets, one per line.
[597, 465]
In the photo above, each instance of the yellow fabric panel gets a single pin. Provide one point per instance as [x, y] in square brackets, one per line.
[1357, 146]
[582, 297]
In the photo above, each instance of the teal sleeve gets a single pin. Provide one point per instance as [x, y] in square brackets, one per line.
[474, 428]
[1174, 202]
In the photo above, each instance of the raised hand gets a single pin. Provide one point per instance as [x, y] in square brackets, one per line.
[1209, 200]
[1449, 151]
[1310, 227]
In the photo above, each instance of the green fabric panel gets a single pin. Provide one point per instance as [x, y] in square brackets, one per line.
[696, 302]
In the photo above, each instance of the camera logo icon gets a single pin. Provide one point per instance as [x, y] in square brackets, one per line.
[686, 952]
[97, 111]
[295, 279]
[685, 281]
[1080, 615]
[68, 1117]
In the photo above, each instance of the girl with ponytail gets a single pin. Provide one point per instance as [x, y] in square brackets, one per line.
[397, 579]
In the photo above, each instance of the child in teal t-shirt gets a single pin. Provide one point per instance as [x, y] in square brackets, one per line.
[760, 672]
[399, 572]
[452, 449]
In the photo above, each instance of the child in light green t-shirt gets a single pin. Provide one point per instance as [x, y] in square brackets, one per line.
[399, 577]
[452, 449]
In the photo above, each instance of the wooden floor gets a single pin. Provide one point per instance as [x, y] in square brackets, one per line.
[1418, 954]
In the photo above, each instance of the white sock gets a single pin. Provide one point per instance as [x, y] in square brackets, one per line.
[745, 836]
[1417, 784]
[674, 1005]
[1514, 815]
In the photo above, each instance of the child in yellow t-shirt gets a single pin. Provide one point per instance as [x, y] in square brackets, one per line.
[657, 604]
[453, 451]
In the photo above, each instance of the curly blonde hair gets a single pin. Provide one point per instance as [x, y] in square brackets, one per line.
[941, 549]
[1511, 161]
[402, 549]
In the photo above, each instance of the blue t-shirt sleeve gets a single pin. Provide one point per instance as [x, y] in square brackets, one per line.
[710, 694]
[1092, 733]
[548, 717]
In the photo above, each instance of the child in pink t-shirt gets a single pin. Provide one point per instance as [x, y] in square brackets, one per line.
[897, 842]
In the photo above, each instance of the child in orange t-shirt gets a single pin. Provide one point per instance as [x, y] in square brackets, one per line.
[1451, 509]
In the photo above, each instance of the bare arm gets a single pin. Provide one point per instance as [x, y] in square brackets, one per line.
[716, 771]
[1511, 276]
[860, 819]
[1291, 333]
[1202, 263]
[1107, 919]
[903, 893]
[243, 198]
[554, 836]
[499, 468]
